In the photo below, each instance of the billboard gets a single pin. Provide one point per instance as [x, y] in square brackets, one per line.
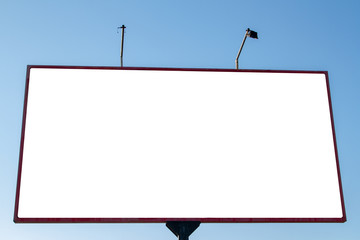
[107, 144]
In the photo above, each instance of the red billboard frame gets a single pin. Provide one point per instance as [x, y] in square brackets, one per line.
[162, 220]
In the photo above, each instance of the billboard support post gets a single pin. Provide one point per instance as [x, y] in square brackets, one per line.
[182, 229]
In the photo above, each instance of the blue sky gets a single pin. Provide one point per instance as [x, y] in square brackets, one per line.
[293, 35]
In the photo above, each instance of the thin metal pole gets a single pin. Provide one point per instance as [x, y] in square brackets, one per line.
[241, 47]
[122, 45]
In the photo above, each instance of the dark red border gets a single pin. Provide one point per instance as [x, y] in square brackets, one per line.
[162, 220]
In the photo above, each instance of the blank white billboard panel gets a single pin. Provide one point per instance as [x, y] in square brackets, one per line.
[152, 145]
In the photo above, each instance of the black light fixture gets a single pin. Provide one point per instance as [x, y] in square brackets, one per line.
[248, 33]
[252, 34]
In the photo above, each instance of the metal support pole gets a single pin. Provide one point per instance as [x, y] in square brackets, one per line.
[122, 45]
[241, 47]
[182, 229]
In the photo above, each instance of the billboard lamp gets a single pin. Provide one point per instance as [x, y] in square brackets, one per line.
[248, 33]
[122, 44]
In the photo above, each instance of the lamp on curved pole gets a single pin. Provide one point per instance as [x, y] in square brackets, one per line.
[248, 33]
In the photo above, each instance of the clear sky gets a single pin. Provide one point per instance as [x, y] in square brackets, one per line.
[293, 35]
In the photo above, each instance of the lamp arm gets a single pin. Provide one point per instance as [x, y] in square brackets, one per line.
[241, 47]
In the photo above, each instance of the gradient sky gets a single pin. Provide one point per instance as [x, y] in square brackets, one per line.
[293, 35]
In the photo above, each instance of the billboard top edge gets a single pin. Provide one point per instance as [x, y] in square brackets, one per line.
[177, 69]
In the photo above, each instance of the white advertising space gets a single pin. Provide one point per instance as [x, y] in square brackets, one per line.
[111, 143]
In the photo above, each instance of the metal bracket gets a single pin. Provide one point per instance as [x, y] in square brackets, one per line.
[183, 229]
